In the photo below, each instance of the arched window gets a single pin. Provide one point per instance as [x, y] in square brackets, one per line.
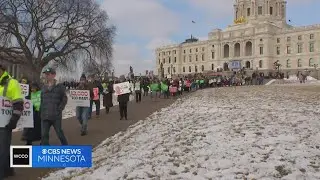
[311, 62]
[195, 68]
[212, 66]
[169, 60]
[189, 68]
[174, 70]
[248, 64]
[260, 64]
[299, 63]
[226, 51]
[202, 68]
[288, 63]
[237, 50]
[249, 48]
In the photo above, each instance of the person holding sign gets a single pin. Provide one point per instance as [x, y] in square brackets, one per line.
[137, 89]
[108, 96]
[82, 113]
[34, 134]
[10, 89]
[123, 100]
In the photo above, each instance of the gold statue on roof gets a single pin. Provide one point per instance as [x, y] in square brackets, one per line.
[240, 20]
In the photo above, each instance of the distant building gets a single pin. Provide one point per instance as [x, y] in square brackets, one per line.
[259, 39]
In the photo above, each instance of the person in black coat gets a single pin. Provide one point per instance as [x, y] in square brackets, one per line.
[107, 97]
[123, 100]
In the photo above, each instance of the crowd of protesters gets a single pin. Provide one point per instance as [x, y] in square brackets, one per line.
[50, 98]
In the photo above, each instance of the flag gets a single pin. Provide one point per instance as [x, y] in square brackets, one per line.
[193, 21]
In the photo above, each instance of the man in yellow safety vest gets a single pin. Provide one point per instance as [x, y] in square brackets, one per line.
[10, 89]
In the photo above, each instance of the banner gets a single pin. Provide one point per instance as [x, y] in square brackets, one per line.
[24, 89]
[80, 98]
[26, 119]
[95, 94]
[122, 88]
[50, 156]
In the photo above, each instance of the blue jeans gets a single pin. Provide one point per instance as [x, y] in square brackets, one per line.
[5, 142]
[82, 114]
[97, 103]
[45, 129]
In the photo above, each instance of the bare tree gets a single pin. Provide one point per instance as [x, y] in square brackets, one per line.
[37, 32]
[99, 66]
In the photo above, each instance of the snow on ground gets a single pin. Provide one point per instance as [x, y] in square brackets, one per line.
[257, 132]
[295, 79]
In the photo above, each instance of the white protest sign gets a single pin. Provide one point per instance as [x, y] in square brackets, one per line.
[137, 86]
[26, 119]
[24, 89]
[80, 98]
[122, 88]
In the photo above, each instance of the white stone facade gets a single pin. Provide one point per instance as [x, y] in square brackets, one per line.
[259, 37]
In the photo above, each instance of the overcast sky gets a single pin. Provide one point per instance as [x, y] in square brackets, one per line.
[143, 25]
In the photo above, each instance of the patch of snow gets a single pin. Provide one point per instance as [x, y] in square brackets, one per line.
[261, 132]
[270, 82]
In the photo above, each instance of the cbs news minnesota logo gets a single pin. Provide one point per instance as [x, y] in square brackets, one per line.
[20, 156]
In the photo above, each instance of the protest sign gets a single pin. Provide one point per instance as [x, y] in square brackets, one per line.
[137, 86]
[122, 88]
[80, 98]
[173, 89]
[26, 119]
[95, 94]
[24, 89]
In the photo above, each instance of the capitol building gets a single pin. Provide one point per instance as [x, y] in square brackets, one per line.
[259, 39]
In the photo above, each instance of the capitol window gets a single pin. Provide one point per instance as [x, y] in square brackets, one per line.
[196, 57]
[311, 36]
[288, 50]
[190, 50]
[190, 59]
[184, 58]
[261, 50]
[212, 66]
[288, 39]
[175, 59]
[278, 50]
[288, 63]
[212, 55]
[299, 37]
[260, 64]
[169, 60]
[299, 63]
[299, 48]
[278, 40]
[189, 68]
[202, 57]
[260, 10]
[248, 11]
[196, 68]
[311, 47]
[168, 70]
[202, 68]
[184, 51]
[271, 10]
[196, 50]
[183, 69]
[311, 63]
[203, 49]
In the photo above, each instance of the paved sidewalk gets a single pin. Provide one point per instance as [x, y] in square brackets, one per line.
[98, 130]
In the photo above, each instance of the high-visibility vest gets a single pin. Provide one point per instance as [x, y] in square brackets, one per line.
[11, 89]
